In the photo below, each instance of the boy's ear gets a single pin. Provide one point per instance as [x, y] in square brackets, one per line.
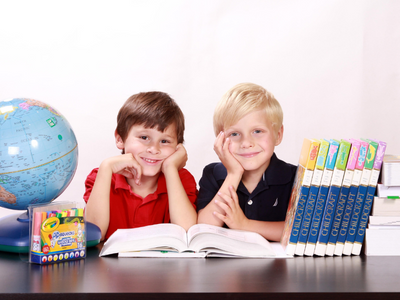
[118, 141]
[279, 136]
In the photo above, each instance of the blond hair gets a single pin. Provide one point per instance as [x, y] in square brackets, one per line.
[242, 99]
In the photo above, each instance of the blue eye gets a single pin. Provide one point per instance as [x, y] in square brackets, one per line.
[164, 142]
[233, 134]
[143, 137]
[257, 131]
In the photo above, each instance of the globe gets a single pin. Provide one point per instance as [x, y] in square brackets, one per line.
[38, 153]
[38, 159]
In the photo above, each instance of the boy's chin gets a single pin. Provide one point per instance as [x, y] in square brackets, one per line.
[151, 172]
[251, 167]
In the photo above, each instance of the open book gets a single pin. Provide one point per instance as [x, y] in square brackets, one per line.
[201, 240]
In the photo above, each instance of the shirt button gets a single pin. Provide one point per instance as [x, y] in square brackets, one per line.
[250, 202]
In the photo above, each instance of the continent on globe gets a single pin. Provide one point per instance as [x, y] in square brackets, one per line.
[7, 196]
[38, 153]
[32, 102]
[6, 110]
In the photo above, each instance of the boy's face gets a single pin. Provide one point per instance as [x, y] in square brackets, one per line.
[149, 146]
[253, 140]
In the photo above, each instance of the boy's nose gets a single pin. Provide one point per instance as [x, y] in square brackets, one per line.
[153, 149]
[247, 142]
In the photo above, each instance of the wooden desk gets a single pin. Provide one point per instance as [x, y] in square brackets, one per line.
[357, 277]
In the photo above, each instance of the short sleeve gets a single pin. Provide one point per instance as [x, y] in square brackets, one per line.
[189, 185]
[209, 186]
[89, 182]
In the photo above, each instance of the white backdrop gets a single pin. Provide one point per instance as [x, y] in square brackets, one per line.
[333, 65]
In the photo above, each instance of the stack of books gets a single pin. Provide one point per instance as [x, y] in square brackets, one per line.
[332, 197]
[382, 236]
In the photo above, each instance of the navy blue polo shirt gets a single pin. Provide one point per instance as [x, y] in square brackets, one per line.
[268, 201]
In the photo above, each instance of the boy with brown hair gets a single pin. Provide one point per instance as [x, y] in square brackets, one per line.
[250, 189]
[147, 183]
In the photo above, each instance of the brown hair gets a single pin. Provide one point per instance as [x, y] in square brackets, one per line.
[150, 109]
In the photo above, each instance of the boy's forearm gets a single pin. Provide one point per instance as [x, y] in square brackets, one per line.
[270, 230]
[181, 209]
[98, 206]
[206, 215]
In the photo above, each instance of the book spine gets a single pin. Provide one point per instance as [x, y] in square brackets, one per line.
[321, 199]
[359, 238]
[312, 197]
[344, 192]
[359, 202]
[299, 195]
[333, 195]
[309, 170]
[351, 198]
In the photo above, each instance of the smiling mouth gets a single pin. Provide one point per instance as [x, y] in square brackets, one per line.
[151, 161]
[249, 155]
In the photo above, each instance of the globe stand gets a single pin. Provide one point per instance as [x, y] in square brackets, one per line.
[14, 233]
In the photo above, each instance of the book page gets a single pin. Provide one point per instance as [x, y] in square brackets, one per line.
[203, 237]
[160, 236]
[276, 246]
[162, 254]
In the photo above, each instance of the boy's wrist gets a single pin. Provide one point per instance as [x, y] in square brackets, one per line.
[106, 166]
[238, 173]
[169, 170]
[234, 178]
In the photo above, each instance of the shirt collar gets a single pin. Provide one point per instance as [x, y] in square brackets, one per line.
[121, 183]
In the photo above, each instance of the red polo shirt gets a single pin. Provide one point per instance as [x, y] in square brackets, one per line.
[128, 210]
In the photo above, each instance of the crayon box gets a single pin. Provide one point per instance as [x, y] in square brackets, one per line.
[57, 233]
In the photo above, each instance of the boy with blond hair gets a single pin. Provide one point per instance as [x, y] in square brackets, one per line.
[250, 188]
[147, 183]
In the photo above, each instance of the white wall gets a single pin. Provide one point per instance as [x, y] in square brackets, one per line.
[333, 65]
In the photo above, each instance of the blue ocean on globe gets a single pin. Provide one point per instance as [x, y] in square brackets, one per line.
[38, 153]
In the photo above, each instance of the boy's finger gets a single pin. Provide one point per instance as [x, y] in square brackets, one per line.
[220, 216]
[224, 197]
[136, 171]
[180, 147]
[217, 143]
[138, 175]
[227, 142]
[234, 196]
[127, 174]
[227, 209]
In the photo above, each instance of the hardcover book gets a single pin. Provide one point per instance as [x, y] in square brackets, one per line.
[359, 238]
[386, 206]
[201, 240]
[333, 195]
[321, 199]
[359, 201]
[344, 192]
[382, 242]
[387, 191]
[312, 196]
[301, 186]
[382, 222]
[341, 239]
